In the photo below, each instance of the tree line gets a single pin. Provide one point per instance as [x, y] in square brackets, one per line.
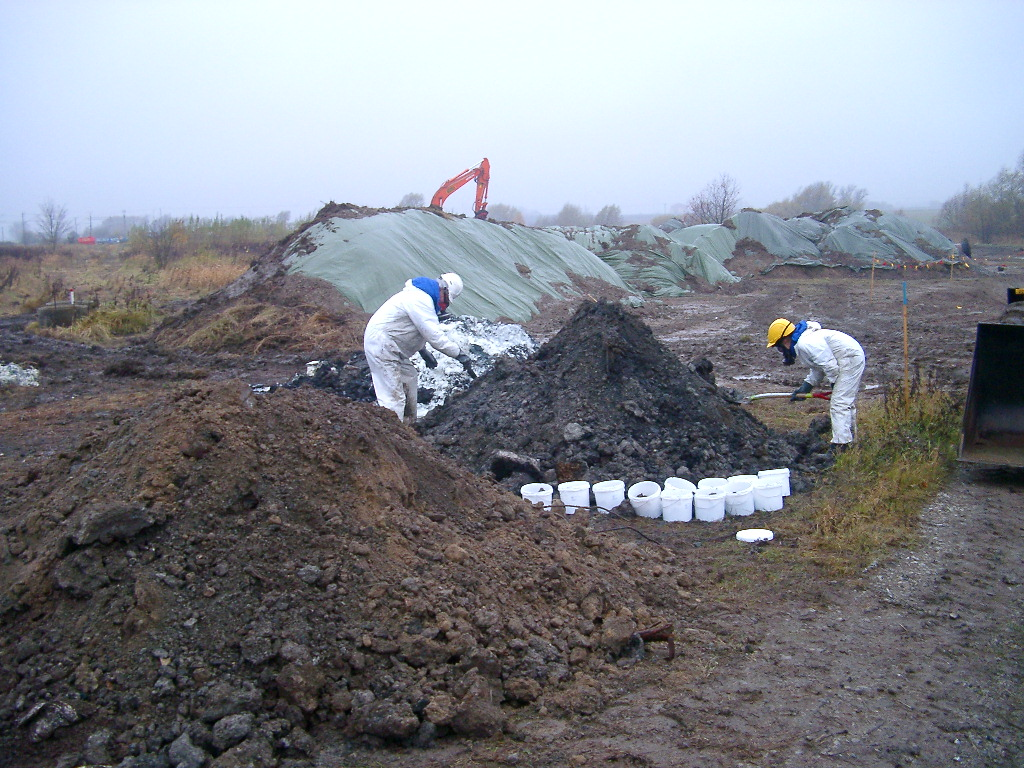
[991, 210]
[165, 238]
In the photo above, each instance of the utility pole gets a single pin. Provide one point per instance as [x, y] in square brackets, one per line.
[23, 240]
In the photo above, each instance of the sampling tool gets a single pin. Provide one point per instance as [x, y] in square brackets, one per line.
[802, 395]
[805, 395]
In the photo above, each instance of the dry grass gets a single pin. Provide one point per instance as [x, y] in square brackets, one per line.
[870, 501]
[200, 274]
[106, 325]
[108, 274]
[863, 507]
[253, 327]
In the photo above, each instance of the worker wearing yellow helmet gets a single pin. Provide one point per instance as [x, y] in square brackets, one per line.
[833, 357]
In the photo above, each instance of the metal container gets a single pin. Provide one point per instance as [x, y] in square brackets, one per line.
[993, 425]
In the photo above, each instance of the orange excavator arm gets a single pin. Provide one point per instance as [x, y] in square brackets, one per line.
[481, 174]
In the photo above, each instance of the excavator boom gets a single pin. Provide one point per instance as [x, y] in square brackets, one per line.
[481, 174]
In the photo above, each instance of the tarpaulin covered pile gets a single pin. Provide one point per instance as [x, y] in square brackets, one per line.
[507, 270]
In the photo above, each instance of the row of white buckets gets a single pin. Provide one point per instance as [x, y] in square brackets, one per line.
[678, 500]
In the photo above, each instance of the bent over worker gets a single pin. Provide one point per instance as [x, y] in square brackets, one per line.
[401, 328]
[832, 356]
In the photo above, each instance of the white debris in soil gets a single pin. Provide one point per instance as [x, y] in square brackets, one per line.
[14, 374]
[484, 341]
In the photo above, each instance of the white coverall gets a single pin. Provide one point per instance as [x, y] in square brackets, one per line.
[398, 330]
[835, 357]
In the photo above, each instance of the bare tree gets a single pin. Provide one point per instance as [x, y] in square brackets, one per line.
[411, 200]
[572, 216]
[165, 240]
[989, 210]
[819, 196]
[609, 216]
[851, 196]
[715, 203]
[502, 212]
[53, 223]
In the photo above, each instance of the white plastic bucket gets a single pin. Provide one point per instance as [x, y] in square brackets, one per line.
[739, 498]
[538, 492]
[709, 504]
[712, 482]
[768, 494]
[608, 494]
[645, 497]
[678, 482]
[748, 478]
[783, 474]
[677, 505]
[574, 494]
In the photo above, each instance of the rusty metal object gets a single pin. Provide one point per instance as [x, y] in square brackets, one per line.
[663, 633]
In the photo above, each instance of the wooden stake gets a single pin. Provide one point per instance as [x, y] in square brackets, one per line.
[906, 353]
[871, 290]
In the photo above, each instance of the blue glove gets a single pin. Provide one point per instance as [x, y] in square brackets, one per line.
[803, 389]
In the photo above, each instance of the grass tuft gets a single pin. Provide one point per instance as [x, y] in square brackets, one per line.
[869, 502]
[202, 273]
[106, 324]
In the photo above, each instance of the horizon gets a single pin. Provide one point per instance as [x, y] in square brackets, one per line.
[249, 110]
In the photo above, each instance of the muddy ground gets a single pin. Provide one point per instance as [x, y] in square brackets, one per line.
[197, 575]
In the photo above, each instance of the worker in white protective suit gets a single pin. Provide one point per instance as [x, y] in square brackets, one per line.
[832, 356]
[403, 326]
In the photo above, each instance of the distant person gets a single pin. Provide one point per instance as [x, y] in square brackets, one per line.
[401, 328]
[965, 247]
[832, 356]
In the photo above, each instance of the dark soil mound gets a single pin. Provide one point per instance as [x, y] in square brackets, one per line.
[236, 575]
[603, 400]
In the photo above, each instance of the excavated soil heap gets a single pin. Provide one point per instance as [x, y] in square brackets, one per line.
[230, 578]
[605, 400]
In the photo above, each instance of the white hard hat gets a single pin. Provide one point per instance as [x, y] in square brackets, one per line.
[454, 283]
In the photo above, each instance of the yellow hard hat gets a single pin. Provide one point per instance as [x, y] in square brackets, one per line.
[778, 329]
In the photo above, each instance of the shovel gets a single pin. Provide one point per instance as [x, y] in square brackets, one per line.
[805, 395]
[802, 396]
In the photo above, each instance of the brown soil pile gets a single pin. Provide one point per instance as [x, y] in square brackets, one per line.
[267, 309]
[231, 576]
[604, 400]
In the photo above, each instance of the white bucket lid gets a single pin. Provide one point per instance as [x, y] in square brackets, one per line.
[712, 482]
[608, 485]
[678, 482]
[784, 472]
[751, 535]
[574, 485]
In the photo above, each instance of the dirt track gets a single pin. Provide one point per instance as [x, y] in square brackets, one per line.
[918, 662]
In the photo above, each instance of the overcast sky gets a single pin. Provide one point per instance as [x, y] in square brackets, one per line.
[152, 107]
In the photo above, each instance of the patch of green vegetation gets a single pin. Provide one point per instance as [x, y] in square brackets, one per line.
[870, 501]
[105, 324]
